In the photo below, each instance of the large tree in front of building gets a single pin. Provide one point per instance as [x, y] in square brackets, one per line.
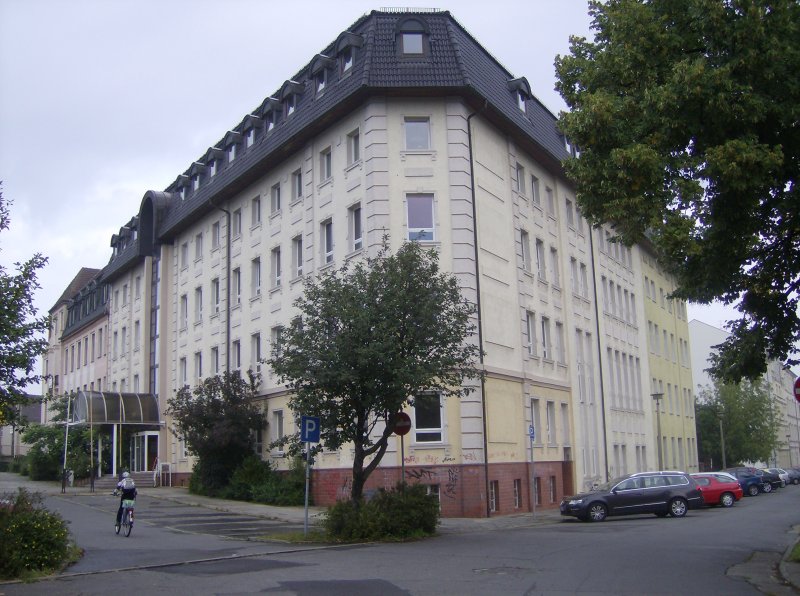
[686, 116]
[750, 423]
[22, 333]
[217, 420]
[369, 338]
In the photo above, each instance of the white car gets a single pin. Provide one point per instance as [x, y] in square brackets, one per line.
[783, 474]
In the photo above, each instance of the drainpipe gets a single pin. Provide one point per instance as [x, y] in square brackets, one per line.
[599, 351]
[478, 306]
[227, 284]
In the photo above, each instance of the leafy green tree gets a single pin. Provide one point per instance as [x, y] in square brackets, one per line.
[685, 113]
[370, 337]
[217, 419]
[22, 338]
[749, 423]
[46, 453]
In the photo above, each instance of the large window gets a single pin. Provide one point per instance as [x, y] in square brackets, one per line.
[418, 134]
[428, 418]
[420, 217]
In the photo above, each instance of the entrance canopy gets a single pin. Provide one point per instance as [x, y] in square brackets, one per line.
[102, 407]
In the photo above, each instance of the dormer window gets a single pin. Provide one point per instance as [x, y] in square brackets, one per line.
[196, 182]
[521, 90]
[290, 96]
[212, 168]
[320, 80]
[347, 58]
[270, 121]
[413, 37]
[231, 153]
[250, 137]
[346, 47]
[182, 193]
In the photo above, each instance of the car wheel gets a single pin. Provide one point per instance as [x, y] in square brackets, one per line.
[752, 490]
[767, 487]
[597, 512]
[727, 500]
[796, 481]
[677, 507]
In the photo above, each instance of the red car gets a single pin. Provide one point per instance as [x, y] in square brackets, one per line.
[718, 489]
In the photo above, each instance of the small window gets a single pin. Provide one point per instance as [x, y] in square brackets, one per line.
[355, 226]
[420, 217]
[412, 43]
[198, 247]
[291, 104]
[541, 268]
[530, 332]
[297, 255]
[255, 212]
[250, 137]
[255, 352]
[519, 183]
[215, 235]
[325, 164]
[417, 134]
[198, 305]
[231, 152]
[276, 267]
[255, 277]
[236, 283]
[297, 184]
[215, 295]
[184, 312]
[236, 354]
[521, 99]
[428, 418]
[275, 198]
[526, 250]
[212, 168]
[196, 182]
[327, 241]
[537, 200]
[237, 222]
[353, 147]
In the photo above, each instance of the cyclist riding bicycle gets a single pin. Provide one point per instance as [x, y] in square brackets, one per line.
[128, 488]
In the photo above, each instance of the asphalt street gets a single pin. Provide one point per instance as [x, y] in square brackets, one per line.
[182, 543]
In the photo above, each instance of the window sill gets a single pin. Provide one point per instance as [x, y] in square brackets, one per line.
[255, 298]
[275, 290]
[353, 166]
[274, 214]
[422, 152]
[325, 182]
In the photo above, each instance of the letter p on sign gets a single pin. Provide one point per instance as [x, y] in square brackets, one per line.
[309, 429]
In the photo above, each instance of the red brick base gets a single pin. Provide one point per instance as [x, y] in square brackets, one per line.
[462, 488]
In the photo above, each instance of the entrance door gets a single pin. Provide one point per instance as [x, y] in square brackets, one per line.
[144, 451]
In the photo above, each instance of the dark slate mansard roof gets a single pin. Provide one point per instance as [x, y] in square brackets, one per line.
[454, 64]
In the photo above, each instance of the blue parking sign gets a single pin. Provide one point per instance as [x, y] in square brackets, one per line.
[309, 429]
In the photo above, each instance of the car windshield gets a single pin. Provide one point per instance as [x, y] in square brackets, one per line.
[607, 486]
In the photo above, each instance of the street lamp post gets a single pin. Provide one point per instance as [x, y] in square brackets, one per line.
[789, 445]
[657, 397]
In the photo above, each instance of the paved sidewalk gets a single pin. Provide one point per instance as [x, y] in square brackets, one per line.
[10, 482]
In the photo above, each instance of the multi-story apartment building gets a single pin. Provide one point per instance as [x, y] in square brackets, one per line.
[778, 382]
[403, 127]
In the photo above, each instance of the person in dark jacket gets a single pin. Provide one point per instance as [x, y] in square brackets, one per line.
[128, 488]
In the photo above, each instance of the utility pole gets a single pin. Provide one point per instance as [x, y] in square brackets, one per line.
[722, 443]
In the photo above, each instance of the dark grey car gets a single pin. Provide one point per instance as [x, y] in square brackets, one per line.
[663, 493]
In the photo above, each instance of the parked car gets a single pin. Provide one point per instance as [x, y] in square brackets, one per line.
[769, 481]
[663, 493]
[718, 488]
[794, 475]
[750, 483]
[782, 474]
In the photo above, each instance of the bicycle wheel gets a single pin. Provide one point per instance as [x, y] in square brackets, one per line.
[117, 528]
[128, 524]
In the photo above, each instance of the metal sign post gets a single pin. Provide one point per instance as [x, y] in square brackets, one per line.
[309, 433]
[532, 436]
[401, 427]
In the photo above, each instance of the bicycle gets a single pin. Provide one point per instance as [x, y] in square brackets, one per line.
[127, 517]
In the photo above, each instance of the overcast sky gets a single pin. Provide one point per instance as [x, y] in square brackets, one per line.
[102, 100]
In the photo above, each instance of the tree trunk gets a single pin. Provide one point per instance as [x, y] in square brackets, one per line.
[357, 490]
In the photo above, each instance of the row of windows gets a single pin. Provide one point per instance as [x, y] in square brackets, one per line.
[534, 192]
[618, 302]
[119, 341]
[84, 350]
[539, 342]
[548, 435]
[624, 379]
[616, 250]
[663, 344]
[122, 298]
[495, 503]
[677, 401]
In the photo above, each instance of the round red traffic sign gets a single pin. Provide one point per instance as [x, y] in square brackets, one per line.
[402, 424]
[797, 388]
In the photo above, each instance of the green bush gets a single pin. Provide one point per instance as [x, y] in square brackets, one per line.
[252, 472]
[33, 538]
[390, 515]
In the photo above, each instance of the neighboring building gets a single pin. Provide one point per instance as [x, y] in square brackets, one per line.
[11, 444]
[778, 381]
[670, 365]
[403, 126]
